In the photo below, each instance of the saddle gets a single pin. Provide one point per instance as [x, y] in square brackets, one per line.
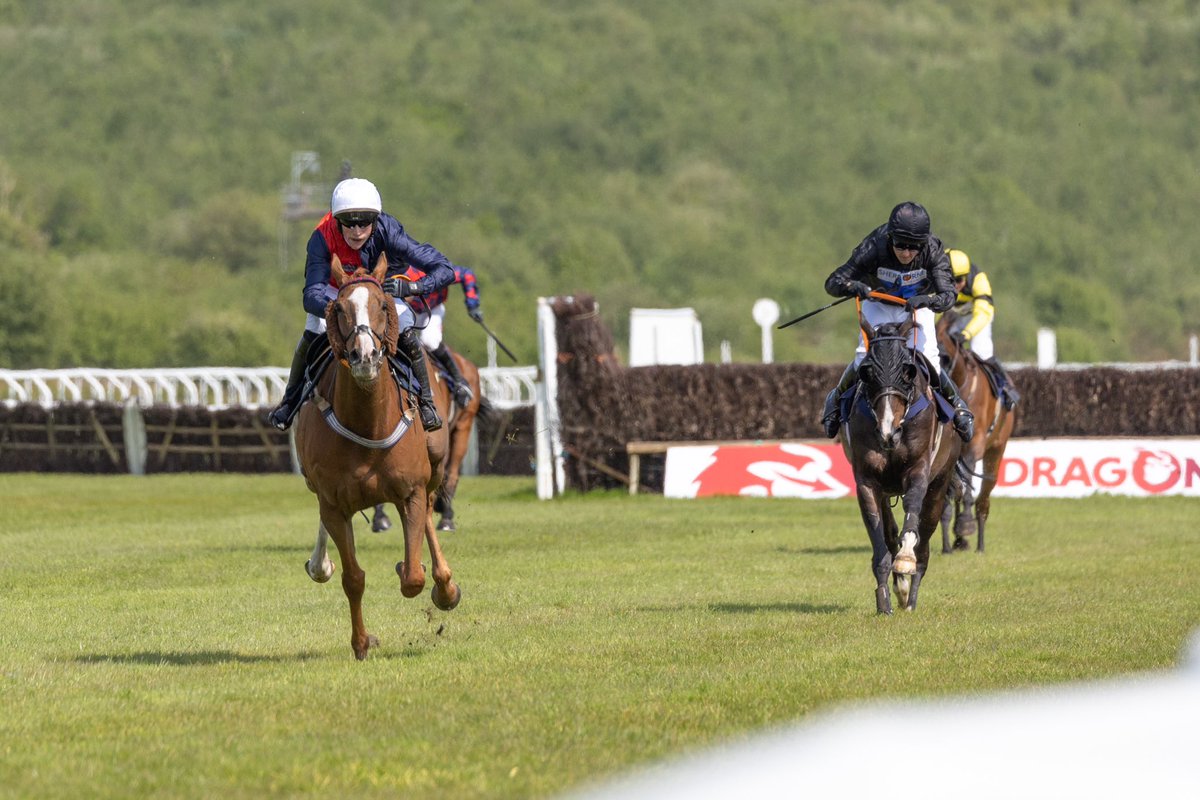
[320, 356]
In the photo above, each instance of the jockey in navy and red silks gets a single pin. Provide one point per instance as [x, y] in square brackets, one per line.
[356, 230]
[431, 313]
[904, 259]
[388, 235]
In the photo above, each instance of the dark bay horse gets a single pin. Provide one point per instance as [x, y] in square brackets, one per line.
[360, 442]
[462, 419]
[981, 456]
[897, 447]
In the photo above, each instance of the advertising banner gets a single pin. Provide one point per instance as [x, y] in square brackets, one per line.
[1030, 468]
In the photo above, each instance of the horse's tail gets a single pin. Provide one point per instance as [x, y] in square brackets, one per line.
[487, 412]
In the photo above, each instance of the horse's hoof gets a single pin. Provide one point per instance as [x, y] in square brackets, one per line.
[961, 544]
[361, 655]
[446, 525]
[381, 523]
[440, 600]
[410, 589]
[904, 566]
[320, 578]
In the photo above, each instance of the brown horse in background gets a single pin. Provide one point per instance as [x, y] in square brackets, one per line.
[360, 442]
[897, 447]
[981, 456]
[462, 419]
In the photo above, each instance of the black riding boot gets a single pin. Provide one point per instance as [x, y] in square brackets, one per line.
[462, 390]
[410, 342]
[964, 420]
[283, 414]
[1008, 393]
[831, 417]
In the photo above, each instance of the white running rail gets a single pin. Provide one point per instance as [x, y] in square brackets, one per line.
[212, 387]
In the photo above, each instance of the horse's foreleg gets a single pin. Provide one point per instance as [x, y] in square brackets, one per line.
[446, 593]
[414, 510]
[874, 512]
[318, 566]
[354, 580]
[905, 562]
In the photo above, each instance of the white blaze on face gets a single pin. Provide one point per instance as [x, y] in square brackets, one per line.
[363, 339]
[888, 423]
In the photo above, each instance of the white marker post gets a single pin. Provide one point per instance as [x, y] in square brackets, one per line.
[766, 314]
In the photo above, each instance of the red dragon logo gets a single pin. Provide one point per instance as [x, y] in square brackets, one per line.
[1156, 471]
[784, 470]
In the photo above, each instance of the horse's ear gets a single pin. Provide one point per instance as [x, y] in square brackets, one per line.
[335, 269]
[381, 266]
[907, 326]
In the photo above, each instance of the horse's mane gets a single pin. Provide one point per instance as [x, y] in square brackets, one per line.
[890, 349]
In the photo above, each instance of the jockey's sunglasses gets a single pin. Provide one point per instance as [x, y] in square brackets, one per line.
[902, 245]
[357, 220]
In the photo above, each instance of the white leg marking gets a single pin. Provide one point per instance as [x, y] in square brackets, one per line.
[320, 568]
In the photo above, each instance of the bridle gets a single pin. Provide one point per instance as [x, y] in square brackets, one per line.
[892, 390]
[363, 327]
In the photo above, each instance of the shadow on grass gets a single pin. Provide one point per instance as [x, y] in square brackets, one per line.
[196, 659]
[792, 608]
[835, 550]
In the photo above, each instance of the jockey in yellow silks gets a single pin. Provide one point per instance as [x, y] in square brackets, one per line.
[972, 316]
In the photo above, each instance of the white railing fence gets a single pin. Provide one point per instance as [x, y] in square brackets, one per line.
[211, 387]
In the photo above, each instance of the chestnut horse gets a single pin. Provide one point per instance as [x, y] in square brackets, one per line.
[897, 447]
[462, 419]
[981, 456]
[360, 442]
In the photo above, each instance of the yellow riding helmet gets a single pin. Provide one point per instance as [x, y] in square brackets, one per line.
[960, 265]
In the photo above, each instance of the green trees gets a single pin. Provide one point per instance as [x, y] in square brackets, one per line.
[675, 153]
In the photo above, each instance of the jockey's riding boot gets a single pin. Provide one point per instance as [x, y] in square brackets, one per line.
[462, 390]
[1008, 393]
[282, 415]
[410, 342]
[964, 420]
[831, 417]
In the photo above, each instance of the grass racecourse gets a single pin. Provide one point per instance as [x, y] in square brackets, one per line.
[161, 639]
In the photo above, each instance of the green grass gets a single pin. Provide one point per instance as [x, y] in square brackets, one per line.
[160, 637]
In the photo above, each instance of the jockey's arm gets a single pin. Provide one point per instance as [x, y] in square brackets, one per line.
[982, 310]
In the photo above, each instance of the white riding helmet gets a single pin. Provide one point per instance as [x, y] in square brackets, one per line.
[355, 194]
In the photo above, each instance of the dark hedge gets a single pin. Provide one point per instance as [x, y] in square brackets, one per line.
[603, 405]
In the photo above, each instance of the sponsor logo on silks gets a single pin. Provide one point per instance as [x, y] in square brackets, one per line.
[785, 470]
[1155, 471]
[902, 279]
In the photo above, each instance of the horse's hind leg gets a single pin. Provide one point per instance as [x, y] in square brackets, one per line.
[318, 566]
[947, 518]
[354, 580]
[446, 593]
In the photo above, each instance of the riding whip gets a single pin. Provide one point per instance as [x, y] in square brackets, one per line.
[818, 311]
[496, 339]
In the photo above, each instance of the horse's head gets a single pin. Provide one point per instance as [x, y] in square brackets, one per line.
[361, 321]
[889, 377]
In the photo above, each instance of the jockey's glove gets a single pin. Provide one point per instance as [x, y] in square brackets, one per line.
[398, 287]
[920, 301]
[855, 289]
[475, 313]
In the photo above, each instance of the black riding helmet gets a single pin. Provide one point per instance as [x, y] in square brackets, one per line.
[908, 224]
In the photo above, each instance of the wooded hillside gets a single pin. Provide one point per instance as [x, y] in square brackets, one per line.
[676, 153]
